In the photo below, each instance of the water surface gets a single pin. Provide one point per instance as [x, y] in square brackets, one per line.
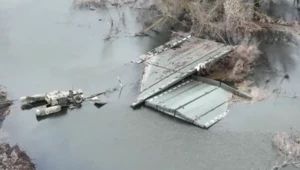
[46, 45]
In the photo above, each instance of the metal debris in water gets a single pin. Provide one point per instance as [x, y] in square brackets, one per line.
[56, 101]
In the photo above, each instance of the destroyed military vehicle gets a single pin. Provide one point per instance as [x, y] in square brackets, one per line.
[54, 101]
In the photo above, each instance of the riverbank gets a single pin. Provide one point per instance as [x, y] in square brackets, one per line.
[91, 138]
[11, 157]
[234, 22]
[4, 106]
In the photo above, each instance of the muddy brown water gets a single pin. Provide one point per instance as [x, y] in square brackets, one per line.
[45, 45]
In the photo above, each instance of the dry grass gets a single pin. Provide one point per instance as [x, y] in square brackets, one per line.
[89, 3]
[12, 158]
[4, 104]
[100, 3]
[288, 149]
[202, 18]
[237, 65]
[227, 21]
[241, 61]
[249, 88]
[213, 19]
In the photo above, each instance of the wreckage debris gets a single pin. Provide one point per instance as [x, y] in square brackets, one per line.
[56, 101]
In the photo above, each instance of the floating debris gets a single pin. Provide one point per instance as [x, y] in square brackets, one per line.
[56, 101]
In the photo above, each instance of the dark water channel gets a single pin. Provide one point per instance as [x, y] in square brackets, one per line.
[45, 45]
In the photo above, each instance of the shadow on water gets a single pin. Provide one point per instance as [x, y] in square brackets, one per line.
[99, 105]
[59, 114]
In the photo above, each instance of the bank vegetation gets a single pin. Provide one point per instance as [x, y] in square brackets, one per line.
[236, 22]
[11, 157]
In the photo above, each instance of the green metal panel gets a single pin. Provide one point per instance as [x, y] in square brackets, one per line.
[164, 88]
[189, 96]
[213, 117]
[152, 85]
[176, 90]
[204, 104]
[201, 104]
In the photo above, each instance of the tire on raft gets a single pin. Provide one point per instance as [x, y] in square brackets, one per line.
[78, 99]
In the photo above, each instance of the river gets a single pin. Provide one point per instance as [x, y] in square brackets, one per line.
[47, 45]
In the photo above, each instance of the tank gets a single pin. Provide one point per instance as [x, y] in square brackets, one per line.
[48, 110]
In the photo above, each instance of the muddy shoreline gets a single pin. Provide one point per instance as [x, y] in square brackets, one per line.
[63, 143]
[11, 157]
[4, 106]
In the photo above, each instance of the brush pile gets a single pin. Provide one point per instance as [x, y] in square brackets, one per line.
[4, 105]
[236, 66]
[81, 4]
[89, 3]
[288, 149]
[219, 20]
[12, 158]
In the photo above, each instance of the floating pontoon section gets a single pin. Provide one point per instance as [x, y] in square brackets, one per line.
[166, 84]
[193, 101]
[174, 61]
